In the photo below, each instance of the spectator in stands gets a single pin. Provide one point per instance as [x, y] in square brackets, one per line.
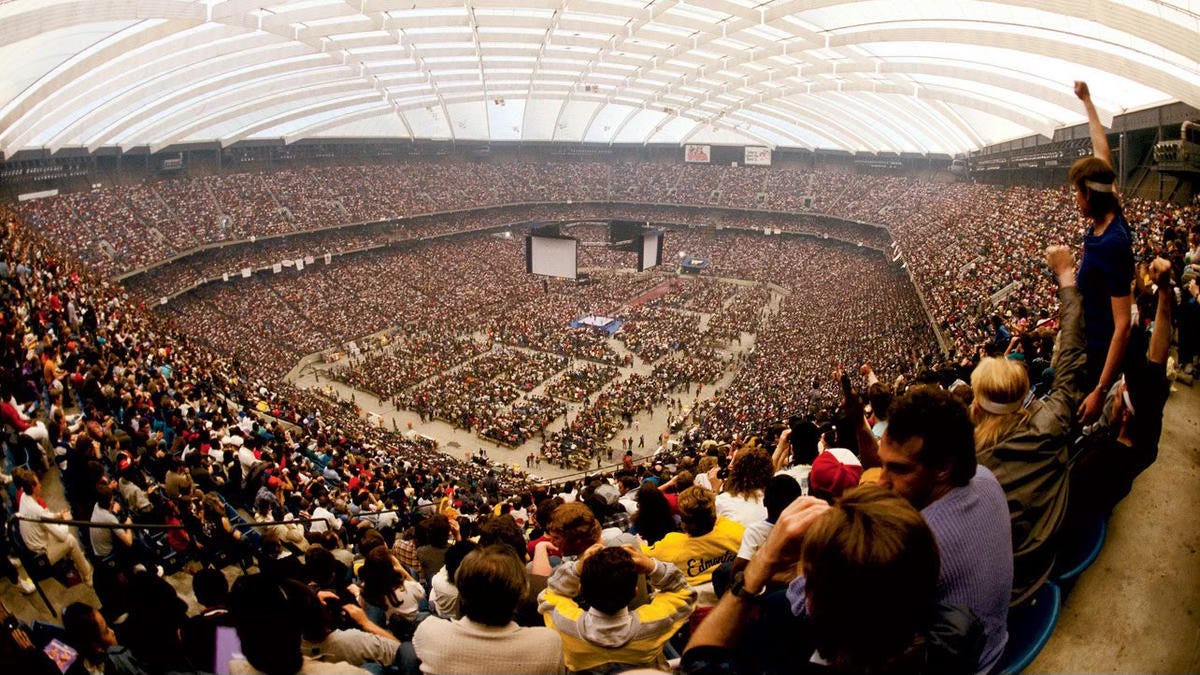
[653, 519]
[707, 541]
[153, 626]
[606, 635]
[490, 581]
[741, 498]
[1124, 441]
[858, 614]
[1106, 269]
[270, 625]
[200, 631]
[780, 492]
[390, 595]
[99, 652]
[928, 457]
[366, 644]
[1026, 443]
[443, 594]
[433, 539]
[833, 472]
[796, 450]
[52, 540]
[106, 541]
[572, 530]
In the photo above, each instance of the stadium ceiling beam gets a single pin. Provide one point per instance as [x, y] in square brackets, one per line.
[300, 113]
[356, 116]
[1013, 113]
[781, 131]
[212, 97]
[148, 58]
[234, 106]
[137, 112]
[284, 117]
[35, 103]
[129, 117]
[1116, 15]
[934, 92]
[1156, 78]
[813, 114]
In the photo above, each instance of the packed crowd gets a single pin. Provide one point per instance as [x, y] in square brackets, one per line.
[473, 395]
[833, 465]
[580, 381]
[120, 228]
[653, 331]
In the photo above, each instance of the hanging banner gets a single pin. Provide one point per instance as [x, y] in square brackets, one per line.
[308, 260]
[299, 264]
[328, 258]
[277, 268]
[697, 154]
[225, 276]
[757, 156]
[245, 272]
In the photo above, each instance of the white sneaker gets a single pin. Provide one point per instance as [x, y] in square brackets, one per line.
[26, 585]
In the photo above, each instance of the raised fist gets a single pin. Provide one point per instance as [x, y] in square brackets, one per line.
[1081, 90]
[1059, 259]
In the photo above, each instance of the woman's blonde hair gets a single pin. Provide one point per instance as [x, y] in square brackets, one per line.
[999, 384]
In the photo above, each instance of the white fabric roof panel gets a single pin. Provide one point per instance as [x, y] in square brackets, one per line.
[876, 75]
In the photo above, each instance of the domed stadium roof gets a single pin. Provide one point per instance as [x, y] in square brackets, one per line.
[924, 76]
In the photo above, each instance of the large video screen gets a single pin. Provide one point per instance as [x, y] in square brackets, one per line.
[551, 256]
[650, 254]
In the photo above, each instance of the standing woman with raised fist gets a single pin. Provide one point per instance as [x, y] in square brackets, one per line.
[1106, 268]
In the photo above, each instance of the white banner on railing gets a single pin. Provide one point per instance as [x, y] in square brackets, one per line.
[41, 194]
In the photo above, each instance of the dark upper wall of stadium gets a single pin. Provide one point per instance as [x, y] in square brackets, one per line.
[1043, 162]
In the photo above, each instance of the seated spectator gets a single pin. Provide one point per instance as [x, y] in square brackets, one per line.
[572, 530]
[741, 497]
[433, 538]
[707, 541]
[607, 634]
[653, 519]
[443, 594]
[153, 625]
[200, 631]
[833, 472]
[795, 452]
[367, 644]
[928, 457]
[269, 620]
[106, 541]
[780, 492]
[390, 596]
[52, 540]
[490, 581]
[99, 652]
[854, 612]
[1026, 443]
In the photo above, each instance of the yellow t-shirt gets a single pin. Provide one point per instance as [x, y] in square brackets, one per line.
[697, 557]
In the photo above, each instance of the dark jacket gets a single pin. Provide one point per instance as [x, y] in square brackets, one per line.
[1031, 463]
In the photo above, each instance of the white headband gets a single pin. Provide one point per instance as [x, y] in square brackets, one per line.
[1098, 187]
[998, 408]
